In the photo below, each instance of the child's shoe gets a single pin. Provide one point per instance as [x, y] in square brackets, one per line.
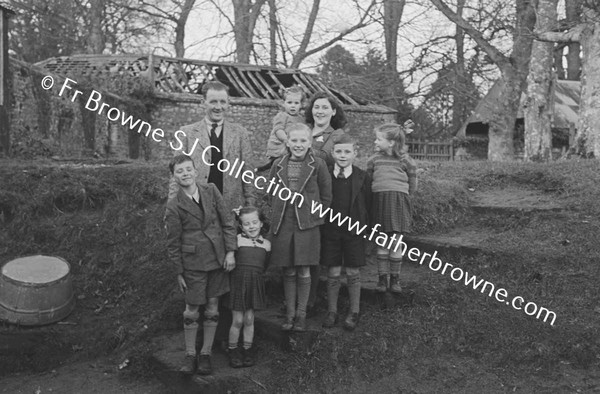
[330, 320]
[250, 356]
[382, 285]
[204, 365]
[351, 321]
[300, 324]
[189, 364]
[395, 284]
[236, 358]
[288, 324]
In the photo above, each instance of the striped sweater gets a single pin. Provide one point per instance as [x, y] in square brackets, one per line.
[392, 174]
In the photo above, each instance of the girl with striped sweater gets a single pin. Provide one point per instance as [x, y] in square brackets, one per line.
[394, 175]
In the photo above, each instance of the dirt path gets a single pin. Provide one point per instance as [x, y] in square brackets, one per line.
[94, 377]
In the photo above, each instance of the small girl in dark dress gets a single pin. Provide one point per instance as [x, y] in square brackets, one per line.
[247, 285]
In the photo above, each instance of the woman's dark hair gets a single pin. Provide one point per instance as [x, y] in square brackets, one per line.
[261, 216]
[338, 120]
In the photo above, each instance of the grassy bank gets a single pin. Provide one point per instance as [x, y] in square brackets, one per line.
[107, 222]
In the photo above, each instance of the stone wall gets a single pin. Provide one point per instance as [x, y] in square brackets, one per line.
[43, 117]
[172, 112]
[46, 124]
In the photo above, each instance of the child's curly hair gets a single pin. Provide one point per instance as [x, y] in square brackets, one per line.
[250, 209]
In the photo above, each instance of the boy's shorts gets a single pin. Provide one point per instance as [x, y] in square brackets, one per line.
[342, 249]
[202, 285]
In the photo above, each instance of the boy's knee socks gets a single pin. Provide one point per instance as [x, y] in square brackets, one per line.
[395, 264]
[210, 328]
[303, 285]
[289, 292]
[354, 292]
[333, 291]
[383, 264]
[190, 331]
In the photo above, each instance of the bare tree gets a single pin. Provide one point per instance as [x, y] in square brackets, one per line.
[586, 33]
[540, 96]
[303, 51]
[176, 12]
[392, 15]
[513, 71]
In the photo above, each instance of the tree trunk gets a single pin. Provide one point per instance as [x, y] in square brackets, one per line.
[96, 42]
[587, 139]
[502, 124]
[540, 96]
[392, 15]
[573, 13]
[514, 77]
[273, 32]
[459, 102]
[243, 40]
[186, 8]
[245, 14]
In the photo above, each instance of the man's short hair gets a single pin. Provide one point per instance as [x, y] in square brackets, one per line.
[214, 85]
[344, 139]
[178, 160]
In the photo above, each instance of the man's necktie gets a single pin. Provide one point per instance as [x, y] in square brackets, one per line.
[341, 173]
[213, 130]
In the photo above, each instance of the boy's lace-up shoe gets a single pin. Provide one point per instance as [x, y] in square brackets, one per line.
[382, 285]
[189, 364]
[351, 321]
[236, 358]
[288, 324]
[300, 324]
[204, 365]
[395, 284]
[330, 320]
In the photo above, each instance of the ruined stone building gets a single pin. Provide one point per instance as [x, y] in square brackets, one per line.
[160, 91]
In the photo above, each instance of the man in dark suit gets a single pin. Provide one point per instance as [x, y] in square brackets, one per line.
[214, 139]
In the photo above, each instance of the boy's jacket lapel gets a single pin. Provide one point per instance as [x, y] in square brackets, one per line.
[189, 205]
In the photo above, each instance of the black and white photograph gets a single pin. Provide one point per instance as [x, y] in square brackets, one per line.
[314, 196]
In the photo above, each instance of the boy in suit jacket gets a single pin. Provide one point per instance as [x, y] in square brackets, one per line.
[201, 241]
[227, 140]
[340, 246]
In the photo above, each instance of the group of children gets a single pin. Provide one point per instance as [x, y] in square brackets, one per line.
[212, 259]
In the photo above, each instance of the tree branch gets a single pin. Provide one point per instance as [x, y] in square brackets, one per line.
[494, 53]
[307, 33]
[569, 36]
[301, 55]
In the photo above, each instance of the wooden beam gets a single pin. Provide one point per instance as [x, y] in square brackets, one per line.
[258, 81]
[266, 85]
[234, 81]
[277, 81]
[247, 83]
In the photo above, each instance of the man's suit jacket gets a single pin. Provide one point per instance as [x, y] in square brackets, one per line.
[236, 144]
[194, 236]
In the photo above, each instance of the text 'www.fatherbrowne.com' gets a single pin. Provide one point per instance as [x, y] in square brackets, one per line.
[457, 274]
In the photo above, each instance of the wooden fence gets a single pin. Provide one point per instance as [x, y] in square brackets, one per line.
[433, 151]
